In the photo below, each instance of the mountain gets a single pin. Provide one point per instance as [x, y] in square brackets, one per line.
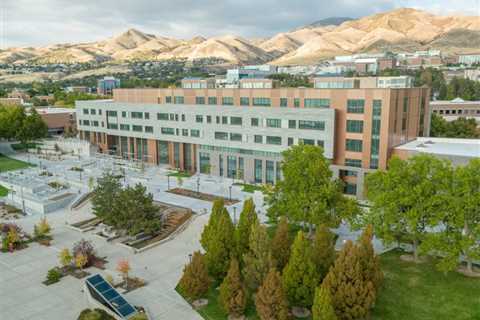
[398, 30]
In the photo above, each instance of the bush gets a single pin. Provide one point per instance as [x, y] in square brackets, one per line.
[85, 248]
[53, 276]
[95, 314]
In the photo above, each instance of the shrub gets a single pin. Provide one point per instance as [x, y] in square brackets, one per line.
[96, 314]
[53, 275]
[195, 280]
[85, 248]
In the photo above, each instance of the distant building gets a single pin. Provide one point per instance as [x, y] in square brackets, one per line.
[363, 82]
[81, 89]
[469, 59]
[459, 151]
[456, 108]
[58, 120]
[472, 74]
[234, 76]
[11, 101]
[198, 83]
[451, 73]
[20, 94]
[106, 85]
[258, 84]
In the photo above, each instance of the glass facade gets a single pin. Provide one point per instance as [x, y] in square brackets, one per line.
[204, 162]
[375, 142]
[231, 166]
[354, 145]
[244, 101]
[283, 102]
[227, 101]
[355, 106]
[220, 164]
[269, 172]
[355, 126]
[316, 103]
[274, 123]
[261, 102]
[258, 171]
[162, 152]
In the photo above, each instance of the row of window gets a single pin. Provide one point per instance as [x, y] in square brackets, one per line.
[458, 111]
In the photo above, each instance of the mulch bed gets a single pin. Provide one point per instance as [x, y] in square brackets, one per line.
[133, 283]
[201, 196]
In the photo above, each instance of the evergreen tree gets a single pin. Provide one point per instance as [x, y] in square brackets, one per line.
[352, 296]
[248, 217]
[220, 246]
[210, 228]
[233, 297]
[195, 280]
[270, 301]
[300, 275]
[322, 305]
[257, 261]
[370, 263]
[323, 250]
[281, 244]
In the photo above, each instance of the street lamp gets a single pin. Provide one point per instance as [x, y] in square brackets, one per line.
[168, 182]
[190, 257]
[198, 184]
[230, 192]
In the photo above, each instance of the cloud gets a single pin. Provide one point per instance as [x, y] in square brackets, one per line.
[43, 22]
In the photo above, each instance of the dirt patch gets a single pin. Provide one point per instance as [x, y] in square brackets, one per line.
[201, 196]
[463, 270]
[409, 258]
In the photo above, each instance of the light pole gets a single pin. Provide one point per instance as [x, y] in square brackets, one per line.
[198, 184]
[168, 182]
[190, 257]
[230, 192]
[23, 202]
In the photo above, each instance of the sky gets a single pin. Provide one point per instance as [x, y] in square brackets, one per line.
[44, 22]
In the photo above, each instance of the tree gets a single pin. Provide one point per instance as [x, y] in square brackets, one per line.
[406, 198]
[32, 127]
[322, 305]
[307, 193]
[352, 296]
[323, 250]
[233, 297]
[248, 218]
[459, 128]
[270, 300]
[86, 249]
[281, 244]
[221, 246]
[210, 228]
[300, 275]
[460, 223]
[42, 229]
[81, 260]
[11, 120]
[105, 195]
[369, 261]
[123, 266]
[195, 280]
[257, 260]
[65, 258]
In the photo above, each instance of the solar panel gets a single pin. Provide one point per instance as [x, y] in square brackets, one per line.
[108, 296]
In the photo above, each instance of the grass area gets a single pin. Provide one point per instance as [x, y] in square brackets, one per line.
[418, 291]
[250, 188]
[8, 164]
[3, 191]
[23, 146]
[181, 174]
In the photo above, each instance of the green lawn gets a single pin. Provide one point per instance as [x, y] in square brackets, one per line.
[7, 164]
[22, 146]
[417, 291]
[181, 174]
[3, 191]
[250, 188]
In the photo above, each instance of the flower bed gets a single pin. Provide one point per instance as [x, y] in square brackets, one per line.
[201, 195]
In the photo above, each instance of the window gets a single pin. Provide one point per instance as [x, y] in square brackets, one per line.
[227, 101]
[204, 162]
[311, 125]
[405, 104]
[185, 132]
[212, 100]
[316, 103]
[308, 142]
[148, 129]
[147, 115]
[377, 107]
[254, 122]
[235, 137]
[199, 118]
[100, 111]
[86, 122]
[292, 124]
[137, 115]
[321, 143]
[261, 102]
[350, 189]
[195, 133]
[355, 126]
[274, 123]
[183, 117]
[124, 114]
[168, 99]
[269, 172]
[258, 138]
[162, 116]
[244, 101]
[199, 100]
[355, 105]
[178, 100]
[224, 120]
[111, 113]
[283, 102]
[376, 126]
[93, 111]
[124, 127]
[296, 103]
[220, 164]
[231, 166]
[237, 121]
[274, 140]
[258, 171]
[353, 145]
[209, 119]
[95, 123]
[137, 128]
[290, 141]
[169, 131]
[221, 135]
[353, 163]
[85, 111]
[113, 126]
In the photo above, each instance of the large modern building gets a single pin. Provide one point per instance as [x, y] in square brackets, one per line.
[106, 85]
[456, 108]
[242, 132]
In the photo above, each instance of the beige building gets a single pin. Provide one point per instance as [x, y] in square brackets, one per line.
[456, 108]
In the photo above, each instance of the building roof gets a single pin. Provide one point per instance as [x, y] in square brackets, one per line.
[444, 146]
[54, 110]
[453, 102]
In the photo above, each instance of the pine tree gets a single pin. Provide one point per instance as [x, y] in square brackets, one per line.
[257, 260]
[195, 280]
[370, 263]
[270, 301]
[210, 229]
[300, 274]
[322, 305]
[221, 245]
[281, 244]
[323, 250]
[248, 217]
[352, 296]
[233, 297]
